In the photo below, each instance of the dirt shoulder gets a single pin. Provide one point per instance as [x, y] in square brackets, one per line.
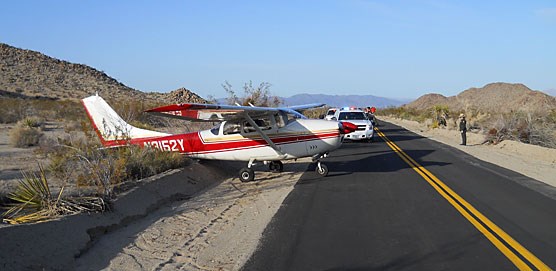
[217, 230]
[533, 161]
[56, 245]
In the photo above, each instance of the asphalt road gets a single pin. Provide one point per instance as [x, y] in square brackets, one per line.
[375, 211]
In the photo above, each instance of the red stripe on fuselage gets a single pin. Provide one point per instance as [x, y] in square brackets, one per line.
[192, 143]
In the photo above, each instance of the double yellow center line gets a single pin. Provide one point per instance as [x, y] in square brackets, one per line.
[514, 251]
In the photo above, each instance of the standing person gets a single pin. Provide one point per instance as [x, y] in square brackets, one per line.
[373, 110]
[463, 129]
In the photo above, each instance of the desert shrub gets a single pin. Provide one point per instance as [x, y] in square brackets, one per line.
[72, 125]
[31, 122]
[11, 110]
[144, 162]
[257, 95]
[406, 113]
[22, 137]
[440, 115]
[15, 109]
[536, 129]
[83, 162]
[32, 201]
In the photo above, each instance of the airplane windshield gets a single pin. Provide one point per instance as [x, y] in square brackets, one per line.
[352, 116]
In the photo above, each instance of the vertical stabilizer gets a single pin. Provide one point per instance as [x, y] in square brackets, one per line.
[110, 127]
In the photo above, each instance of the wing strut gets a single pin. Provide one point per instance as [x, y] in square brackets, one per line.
[263, 135]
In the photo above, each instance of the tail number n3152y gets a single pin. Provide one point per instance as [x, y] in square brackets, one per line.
[166, 145]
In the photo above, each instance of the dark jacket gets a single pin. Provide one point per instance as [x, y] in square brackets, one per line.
[463, 125]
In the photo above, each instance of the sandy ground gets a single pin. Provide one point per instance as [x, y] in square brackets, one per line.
[14, 160]
[217, 230]
[533, 161]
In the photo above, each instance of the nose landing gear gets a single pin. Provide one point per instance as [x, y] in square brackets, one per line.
[321, 168]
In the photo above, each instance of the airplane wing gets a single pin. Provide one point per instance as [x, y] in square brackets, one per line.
[301, 108]
[214, 112]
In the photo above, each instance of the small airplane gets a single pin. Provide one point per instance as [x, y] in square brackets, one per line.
[244, 133]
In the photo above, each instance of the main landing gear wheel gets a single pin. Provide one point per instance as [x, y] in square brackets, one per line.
[246, 175]
[321, 169]
[276, 166]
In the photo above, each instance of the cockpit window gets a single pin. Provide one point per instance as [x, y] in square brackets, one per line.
[352, 116]
[280, 119]
[231, 128]
[215, 129]
[264, 124]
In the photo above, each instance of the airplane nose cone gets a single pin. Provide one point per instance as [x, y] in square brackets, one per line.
[346, 127]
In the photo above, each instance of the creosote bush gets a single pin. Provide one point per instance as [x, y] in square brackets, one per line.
[23, 135]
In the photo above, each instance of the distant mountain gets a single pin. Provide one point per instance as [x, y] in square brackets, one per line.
[495, 97]
[338, 100]
[30, 74]
[343, 100]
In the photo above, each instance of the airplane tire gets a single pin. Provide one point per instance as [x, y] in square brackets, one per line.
[276, 166]
[246, 175]
[323, 171]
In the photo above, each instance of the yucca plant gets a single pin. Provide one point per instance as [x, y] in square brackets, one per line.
[33, 201]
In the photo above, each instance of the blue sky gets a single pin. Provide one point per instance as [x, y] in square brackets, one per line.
[383, 48]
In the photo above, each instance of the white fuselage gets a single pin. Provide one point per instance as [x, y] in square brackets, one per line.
[299, 138]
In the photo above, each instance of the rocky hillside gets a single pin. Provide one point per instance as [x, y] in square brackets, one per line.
[181, 95]
[27, 73]
[495, 97]
[428, 100]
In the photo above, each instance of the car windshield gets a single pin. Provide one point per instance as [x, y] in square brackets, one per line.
[331, 112]
[352, 116]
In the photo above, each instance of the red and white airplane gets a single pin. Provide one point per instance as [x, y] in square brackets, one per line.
[245, 133]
